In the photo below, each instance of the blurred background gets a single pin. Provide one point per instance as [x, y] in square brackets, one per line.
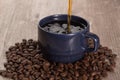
[19, 19]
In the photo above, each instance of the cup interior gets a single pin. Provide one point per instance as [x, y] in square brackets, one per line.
[58, 18]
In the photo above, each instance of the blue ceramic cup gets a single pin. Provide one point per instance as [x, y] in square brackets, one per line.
[65, 48]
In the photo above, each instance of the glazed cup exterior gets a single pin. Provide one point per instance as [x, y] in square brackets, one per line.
[65, 48]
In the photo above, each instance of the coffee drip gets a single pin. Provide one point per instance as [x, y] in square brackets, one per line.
[69, 15]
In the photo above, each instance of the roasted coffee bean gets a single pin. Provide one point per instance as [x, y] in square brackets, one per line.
[71, 71]
[114, 56]
[36, 66]
[37, 56]
[3, 73]
[26, 52]
[6, 65]
[12, 48]
[77, 67]
[21, 76]
[77, 74]
[60, 69]
[104, 73]
[8, 52]
[35, 61]
[110, 68]
[28, 67]
[70, 78]
[31, 47]
[84, 77]
[52, 78]
[93, 73]
[37, 74]
[46, 66]
[25, 78]
[30, 40]
[17, 44]
[61, 65]
[90, 78]
[9, 75]
[63, 74]
[30, 50]
[70, 65]
[112, 63]
[24, 41]
[25, 62]
[66, 67]
[97, 77]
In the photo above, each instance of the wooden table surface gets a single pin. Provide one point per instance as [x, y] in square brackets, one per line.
[19, 19]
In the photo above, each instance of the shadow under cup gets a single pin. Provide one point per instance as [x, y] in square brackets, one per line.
[65, 48]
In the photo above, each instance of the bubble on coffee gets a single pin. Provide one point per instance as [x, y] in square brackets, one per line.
[61, 28]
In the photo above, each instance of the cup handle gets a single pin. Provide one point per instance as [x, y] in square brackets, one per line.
[96, 41]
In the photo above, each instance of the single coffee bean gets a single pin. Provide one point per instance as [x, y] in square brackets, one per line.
[1, 71]
[28, 67]
[105, 48]
[9, 75]
[70, 65]
[112, 63]
[77, 67]
[46, 66]
[17, 44]
[20, 71]
[25, 78]
[31, 47]
[30, 50]
[84, 77]
[114, 56]
[36, 66]
[24, 41]
[12, 48]
[70, 78]
[52, 78]
[30, 40]
[61, 65]
[97, 77]
[4, 73]
[26, 52]
[71, 71]
[36, 74]
[6, 65]
[21, 77]
[110, 68]
[37, 56]
[77, 74]
[60, 69]
[24, 62]
[30, 78]
[93, 73]
[90, 78]
[104, 73]
[63, 74]
[35, 61]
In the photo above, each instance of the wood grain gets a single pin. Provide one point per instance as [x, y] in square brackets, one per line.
[19, 19]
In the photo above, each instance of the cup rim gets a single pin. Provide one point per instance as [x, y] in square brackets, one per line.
[55, 18]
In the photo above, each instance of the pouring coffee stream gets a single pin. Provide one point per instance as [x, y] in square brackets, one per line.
[69, 15]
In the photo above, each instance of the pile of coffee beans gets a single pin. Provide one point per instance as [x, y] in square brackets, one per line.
[25, 62]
